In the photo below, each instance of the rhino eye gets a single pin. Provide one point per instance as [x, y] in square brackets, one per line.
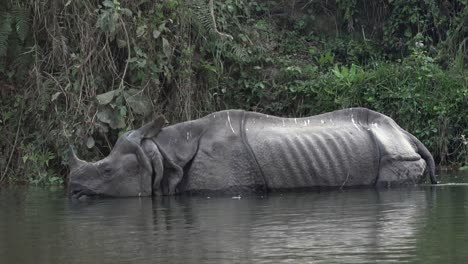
[107, 170]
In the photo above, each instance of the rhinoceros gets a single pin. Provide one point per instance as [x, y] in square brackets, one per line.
[236, 151]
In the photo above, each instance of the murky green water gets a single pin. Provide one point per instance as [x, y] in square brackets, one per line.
[418, 225]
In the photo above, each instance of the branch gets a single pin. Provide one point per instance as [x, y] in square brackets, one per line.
[13, 149]
[211, 5]
[128, 55]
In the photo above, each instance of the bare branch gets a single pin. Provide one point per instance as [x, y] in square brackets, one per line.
[211, 5]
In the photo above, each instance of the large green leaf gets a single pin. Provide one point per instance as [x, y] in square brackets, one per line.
[106, 98]
[105, 115]
[117, 123]
[139, 103]
[110, 117]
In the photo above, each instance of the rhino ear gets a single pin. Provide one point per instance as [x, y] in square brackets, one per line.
[149, 130]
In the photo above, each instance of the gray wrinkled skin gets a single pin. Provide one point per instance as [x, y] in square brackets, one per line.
[235, 151]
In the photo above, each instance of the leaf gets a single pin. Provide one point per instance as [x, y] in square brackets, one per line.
[156, 34]
[167, 49]
[141, 63]
[117, 122]
[137, 102]
[121, 43]
[106, 98]
[55, 96]
[131, 60]
[90, 142]
[408, 33]
[123, 111]
[126, 11]
[108, 3]
[105, 116]
[112, 118]
[141, 30]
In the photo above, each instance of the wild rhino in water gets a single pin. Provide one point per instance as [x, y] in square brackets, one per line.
[236, 151]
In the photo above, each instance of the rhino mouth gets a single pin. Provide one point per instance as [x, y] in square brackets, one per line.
[83, 194]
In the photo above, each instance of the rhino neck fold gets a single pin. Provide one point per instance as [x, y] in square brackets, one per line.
[178, 145]
[152, 151]
[145, 180]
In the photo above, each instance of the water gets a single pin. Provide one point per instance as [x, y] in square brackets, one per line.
[416, 225]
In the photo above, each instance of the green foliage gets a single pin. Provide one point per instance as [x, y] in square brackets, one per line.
[348, 10]
[14, 30]
[326, 59]
[348, 51]
[36, 162]
[5, 30]
[421, 96]
[114, 106]
[348, 77]
[110, 17]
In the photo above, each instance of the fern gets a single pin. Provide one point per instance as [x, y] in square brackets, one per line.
[21, 22]
[14, 30]
[239, 53]
[5, 30]
[203, 16]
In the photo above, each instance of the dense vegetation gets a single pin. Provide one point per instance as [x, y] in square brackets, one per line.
[82, 72]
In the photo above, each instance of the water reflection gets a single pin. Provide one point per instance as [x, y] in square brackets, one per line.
[424, 224]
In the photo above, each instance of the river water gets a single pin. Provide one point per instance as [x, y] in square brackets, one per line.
[417, 225]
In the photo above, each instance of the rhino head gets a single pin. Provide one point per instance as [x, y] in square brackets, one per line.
[126, 171]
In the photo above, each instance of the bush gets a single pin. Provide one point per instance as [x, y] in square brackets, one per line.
[422, 97]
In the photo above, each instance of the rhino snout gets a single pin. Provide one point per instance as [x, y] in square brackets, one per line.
[80, 192]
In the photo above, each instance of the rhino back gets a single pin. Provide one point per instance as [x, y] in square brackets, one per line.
[333, 149]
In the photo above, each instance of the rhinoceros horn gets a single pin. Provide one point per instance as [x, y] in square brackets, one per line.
[75, 162]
